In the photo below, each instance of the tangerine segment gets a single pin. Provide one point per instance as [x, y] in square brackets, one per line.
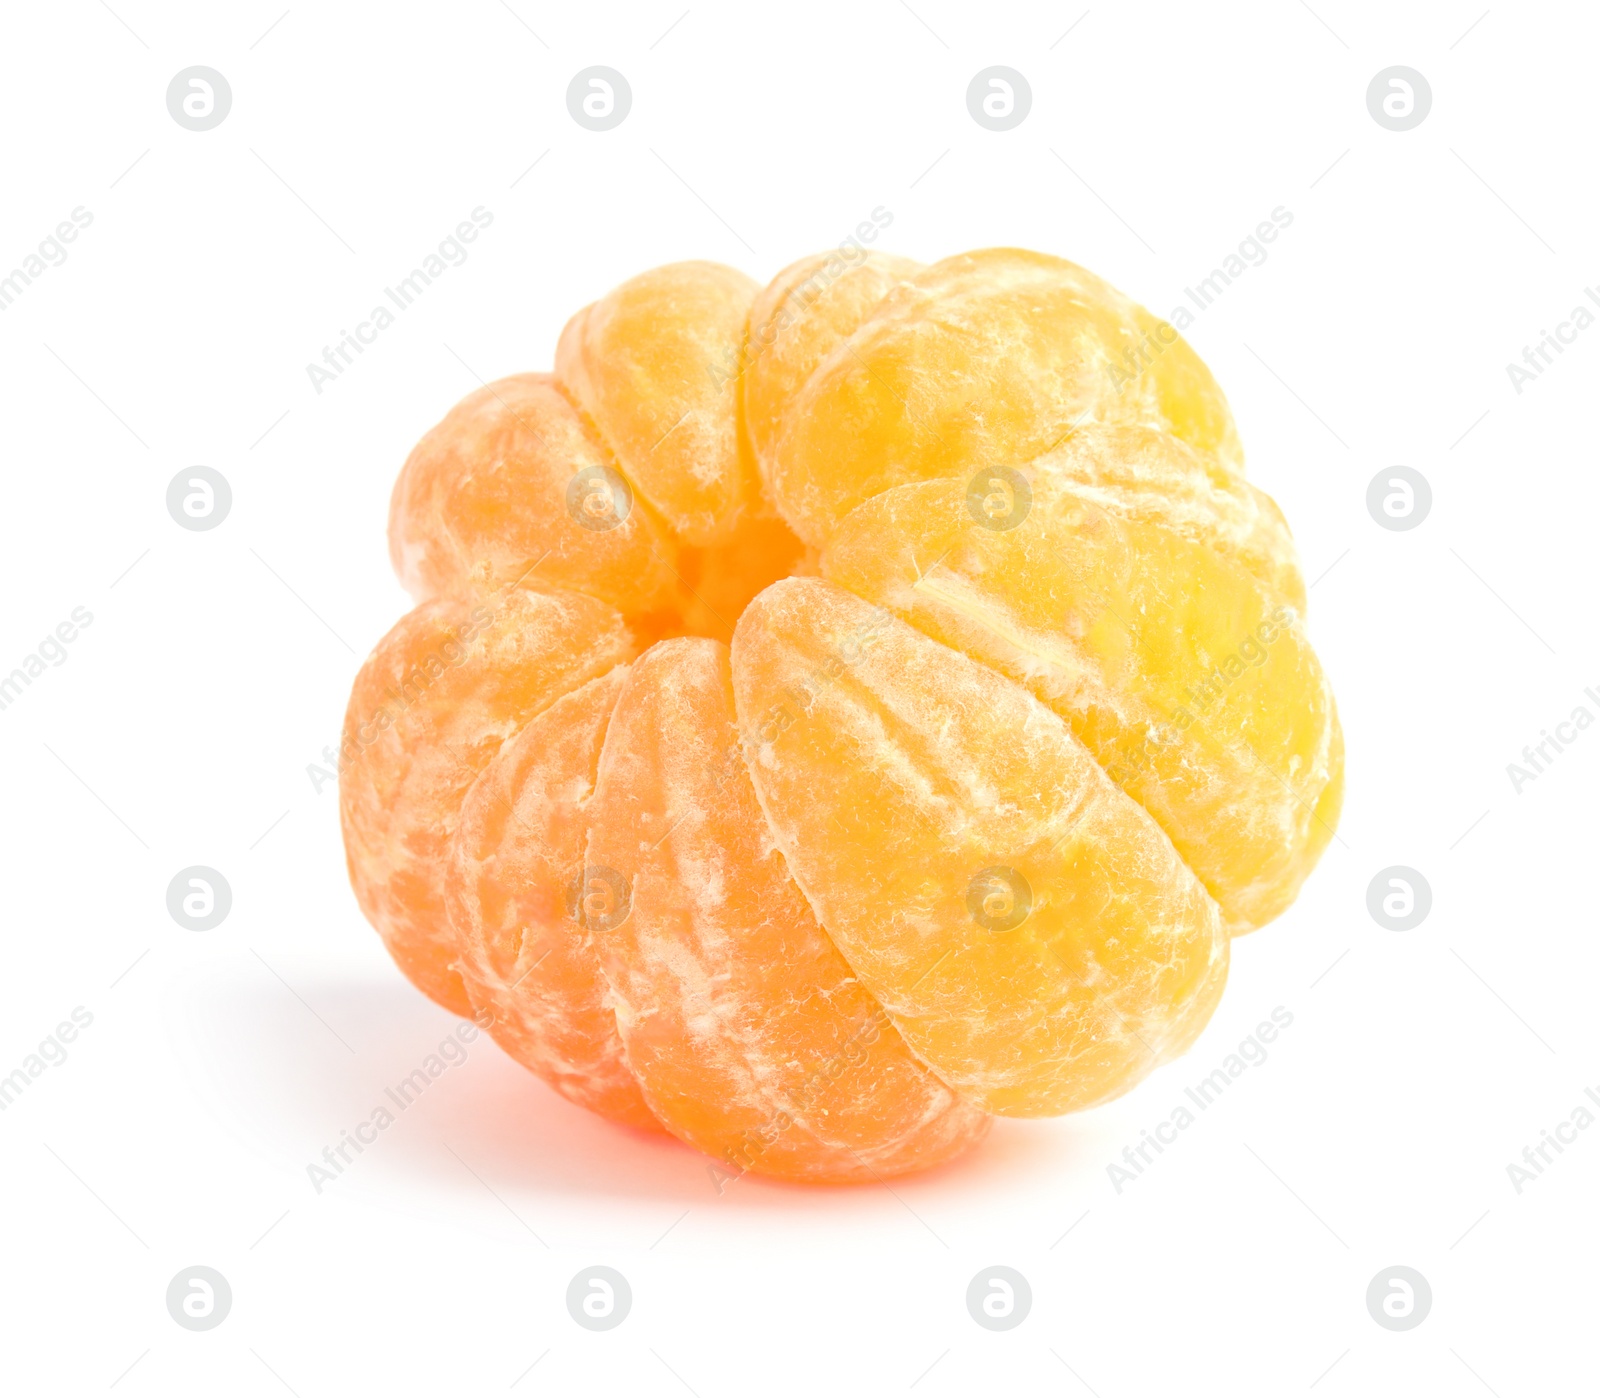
[1187, 399]
[990, 358]
[453, 680]
[1145, 473]
[512, 478]
[1189, 681]
[656, 366]
[801, 317]
[514, 890]
[748, 1032]
[1029, 928]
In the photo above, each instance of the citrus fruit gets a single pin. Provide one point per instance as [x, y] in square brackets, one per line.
[839, 713]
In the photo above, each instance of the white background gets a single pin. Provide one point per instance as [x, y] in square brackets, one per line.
[179, 730]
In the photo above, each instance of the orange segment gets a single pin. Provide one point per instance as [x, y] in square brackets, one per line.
[986, 359]
[1186, 398]
[1187, 676]
[656, 366]
[802, 316]
[435, 700]
[1030, 929]
[749, 1035]
[515, 894]
[1145, 473]
[512, 480]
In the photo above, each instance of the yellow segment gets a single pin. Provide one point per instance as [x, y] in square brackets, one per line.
[924, 801]
[987, 359]
[802, 316]
[1161, 623]
[656, 367]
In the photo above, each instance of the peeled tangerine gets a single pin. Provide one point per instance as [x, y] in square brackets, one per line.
[839, 713]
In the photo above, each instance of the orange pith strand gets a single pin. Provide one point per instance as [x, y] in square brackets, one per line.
[839, 713]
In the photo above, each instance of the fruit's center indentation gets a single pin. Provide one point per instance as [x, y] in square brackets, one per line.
[712, 586]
